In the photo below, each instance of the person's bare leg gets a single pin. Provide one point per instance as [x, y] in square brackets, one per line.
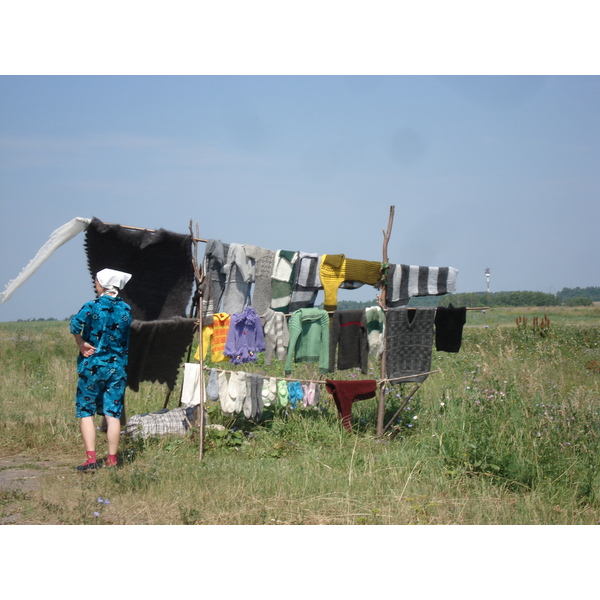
[88, 432]
[113, 434]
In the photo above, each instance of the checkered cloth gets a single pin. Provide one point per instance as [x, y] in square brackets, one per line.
[164, 422]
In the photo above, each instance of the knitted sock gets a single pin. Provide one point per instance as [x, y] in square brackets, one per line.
[282, 393]
[222, 379]
[308, 391]
[266, 400]
[212, 387]
[294, 393]
[90, 457]
[241, 392]
[247, 406]
[111, 461]
[228, 403]
[272, 389]
[258, 408]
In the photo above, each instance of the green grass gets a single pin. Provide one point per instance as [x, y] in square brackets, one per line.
[506, 433]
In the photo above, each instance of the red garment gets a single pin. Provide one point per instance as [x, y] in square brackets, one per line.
[345, 393]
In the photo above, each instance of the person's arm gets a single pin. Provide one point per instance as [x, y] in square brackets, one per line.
[84, 348]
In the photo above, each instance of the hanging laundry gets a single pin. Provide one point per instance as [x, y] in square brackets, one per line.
[256, 409]
[345, 393]
[282, 280]
[262, 293]
[247, 405]
[449, 323]
[307, 282]
[276, 333]
[242, 391]
[269, 391]
[215, 337]
[409, 342]
[295, 394]
[228, 401]
[160, 263]
[408, 281]
[57, 238]
[212, 386]
[156, 350]
[223, 388]
[348, 337]
[375, 317]
[309, 394]
[309, 338]
[245, 338]
[213, 264]
[336, 269]
[239, 275]
[190, 390]
[282, 393]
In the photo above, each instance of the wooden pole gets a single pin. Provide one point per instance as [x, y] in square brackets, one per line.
[382, 302]
[201, 389]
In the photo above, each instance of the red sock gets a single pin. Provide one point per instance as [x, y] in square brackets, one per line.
[111, 461]
[90, 457]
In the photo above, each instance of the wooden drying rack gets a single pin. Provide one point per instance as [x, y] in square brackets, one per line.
[196, 311]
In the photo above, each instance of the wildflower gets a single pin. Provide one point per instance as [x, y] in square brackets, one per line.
[96, 514]
[442, 404]
[415, 417]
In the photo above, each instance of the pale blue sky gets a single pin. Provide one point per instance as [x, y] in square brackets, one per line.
[498, 172]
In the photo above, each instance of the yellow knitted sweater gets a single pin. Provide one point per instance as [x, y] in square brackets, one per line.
[336, 268]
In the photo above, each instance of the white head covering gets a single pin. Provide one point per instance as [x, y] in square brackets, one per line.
[112, 281]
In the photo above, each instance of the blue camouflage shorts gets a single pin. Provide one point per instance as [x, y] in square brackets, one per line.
[100, 391]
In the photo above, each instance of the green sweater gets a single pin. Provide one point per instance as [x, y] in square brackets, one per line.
[309, 338]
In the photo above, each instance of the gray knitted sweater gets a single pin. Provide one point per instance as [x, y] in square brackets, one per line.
[409, 342]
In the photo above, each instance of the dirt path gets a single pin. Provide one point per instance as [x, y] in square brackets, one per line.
[21, 475]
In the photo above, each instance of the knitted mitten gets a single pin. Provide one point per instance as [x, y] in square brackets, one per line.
[241, 393]
[282, 393]
[212, 387]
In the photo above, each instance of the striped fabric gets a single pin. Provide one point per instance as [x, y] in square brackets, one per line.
[307, 282]
[406, 281]
[282, 279]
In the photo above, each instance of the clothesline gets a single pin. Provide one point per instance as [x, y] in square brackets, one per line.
[379, 381]
[195, 239]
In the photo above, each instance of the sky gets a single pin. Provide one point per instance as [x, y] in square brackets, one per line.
[497, 172]
[302, 136]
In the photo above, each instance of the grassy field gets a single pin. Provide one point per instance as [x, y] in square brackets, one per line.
[506, 433]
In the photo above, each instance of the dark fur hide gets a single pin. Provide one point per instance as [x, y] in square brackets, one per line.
[156, 350]
[160, 264]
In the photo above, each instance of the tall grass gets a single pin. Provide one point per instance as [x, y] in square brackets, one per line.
[506, 433]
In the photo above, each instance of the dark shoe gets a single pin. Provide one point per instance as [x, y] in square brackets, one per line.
[88, 467]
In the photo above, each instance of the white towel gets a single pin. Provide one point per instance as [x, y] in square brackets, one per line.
[57, 238]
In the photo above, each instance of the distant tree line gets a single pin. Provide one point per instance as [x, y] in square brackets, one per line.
[566, 297]
[577, 294]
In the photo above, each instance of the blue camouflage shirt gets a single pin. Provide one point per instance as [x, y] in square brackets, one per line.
[104, 323]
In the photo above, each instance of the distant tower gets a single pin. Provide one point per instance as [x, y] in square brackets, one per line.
[487, 278]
